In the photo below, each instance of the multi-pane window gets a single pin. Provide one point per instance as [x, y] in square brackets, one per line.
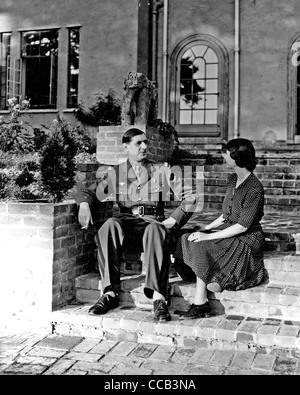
[199, 86]
[73, 67]
[294, 93]
[5, 39]
[297, 129]
[39, 59]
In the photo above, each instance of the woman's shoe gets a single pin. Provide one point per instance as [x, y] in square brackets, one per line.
[214, 287]
[195, 311]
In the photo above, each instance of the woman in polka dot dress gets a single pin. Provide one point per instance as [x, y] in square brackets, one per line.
[228, 253]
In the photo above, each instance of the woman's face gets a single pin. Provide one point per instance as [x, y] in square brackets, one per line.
[229, 161]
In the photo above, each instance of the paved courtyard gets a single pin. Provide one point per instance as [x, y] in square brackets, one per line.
[40, 354]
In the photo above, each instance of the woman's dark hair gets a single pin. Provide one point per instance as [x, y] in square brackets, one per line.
[130, 134]
[243, 152]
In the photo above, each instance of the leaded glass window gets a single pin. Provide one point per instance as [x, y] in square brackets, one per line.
[5, 40]
[199, 86]
[40, 58]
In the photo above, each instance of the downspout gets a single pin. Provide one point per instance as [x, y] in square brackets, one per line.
[165, 60]
[156, 5]
[237, 71]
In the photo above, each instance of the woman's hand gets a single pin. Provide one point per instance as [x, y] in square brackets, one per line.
[198, 236]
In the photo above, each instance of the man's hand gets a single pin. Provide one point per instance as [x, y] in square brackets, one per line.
[200, 227]
[85, 215]
[169, 223]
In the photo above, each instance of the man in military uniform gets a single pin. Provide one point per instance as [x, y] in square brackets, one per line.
[139, 188]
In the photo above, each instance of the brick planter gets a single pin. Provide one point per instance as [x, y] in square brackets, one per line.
[43, 250]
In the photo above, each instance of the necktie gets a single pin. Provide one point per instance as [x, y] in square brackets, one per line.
[138, 171]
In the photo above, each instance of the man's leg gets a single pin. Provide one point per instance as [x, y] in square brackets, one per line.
[157, 259]
[109, 240]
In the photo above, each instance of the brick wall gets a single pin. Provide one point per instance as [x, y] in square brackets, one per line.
[279, 173]
[110, 150]
[43, 250]
[278, 169]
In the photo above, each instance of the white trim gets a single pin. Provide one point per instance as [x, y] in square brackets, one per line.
[39, 28]
[42, 111]
[72, 26]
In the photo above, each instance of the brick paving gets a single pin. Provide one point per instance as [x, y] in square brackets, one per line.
[41, 354]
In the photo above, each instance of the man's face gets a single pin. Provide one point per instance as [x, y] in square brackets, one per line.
[137, 148]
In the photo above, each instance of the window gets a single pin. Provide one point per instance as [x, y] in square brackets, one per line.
[39, 64]
[297, 129]
[73, 68]
[200, 85]
[294, 92]
[5, 39]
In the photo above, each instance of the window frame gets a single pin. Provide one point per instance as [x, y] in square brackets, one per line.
[4, 84]
[292, 104]
[219, 130]
[70, 103]
[52, 71]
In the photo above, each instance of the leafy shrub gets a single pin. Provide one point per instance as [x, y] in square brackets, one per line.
[39, 138]
[39, 164]
[58, 167]
[83, 141]
[20, 177]
[165, 129]
[3, 184]
[14, 133]
[106, 111]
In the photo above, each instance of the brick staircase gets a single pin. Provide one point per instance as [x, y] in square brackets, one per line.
[267, 316]
[264, 317]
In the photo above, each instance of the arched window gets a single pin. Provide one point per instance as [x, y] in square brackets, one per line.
[200, 87]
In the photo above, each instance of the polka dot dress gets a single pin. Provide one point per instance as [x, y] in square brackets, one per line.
[234, 263]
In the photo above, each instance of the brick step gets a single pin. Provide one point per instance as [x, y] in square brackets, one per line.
[278, 296]
[234, 332]
[267, 300]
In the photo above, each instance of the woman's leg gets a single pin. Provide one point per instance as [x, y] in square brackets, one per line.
[201, 292]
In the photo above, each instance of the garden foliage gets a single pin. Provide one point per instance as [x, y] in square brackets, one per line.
[106, 111]
[37, 163]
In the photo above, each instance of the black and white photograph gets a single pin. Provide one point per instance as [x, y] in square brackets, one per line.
[150, 190]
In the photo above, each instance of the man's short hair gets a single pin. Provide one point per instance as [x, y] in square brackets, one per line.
[130, 134]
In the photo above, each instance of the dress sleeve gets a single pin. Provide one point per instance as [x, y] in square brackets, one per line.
[252, 208]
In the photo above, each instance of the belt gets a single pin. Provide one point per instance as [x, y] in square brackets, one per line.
[143, 210]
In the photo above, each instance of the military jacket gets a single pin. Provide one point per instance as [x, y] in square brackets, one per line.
[157, 184]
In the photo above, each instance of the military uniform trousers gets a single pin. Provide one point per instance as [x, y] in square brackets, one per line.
[145, 234]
